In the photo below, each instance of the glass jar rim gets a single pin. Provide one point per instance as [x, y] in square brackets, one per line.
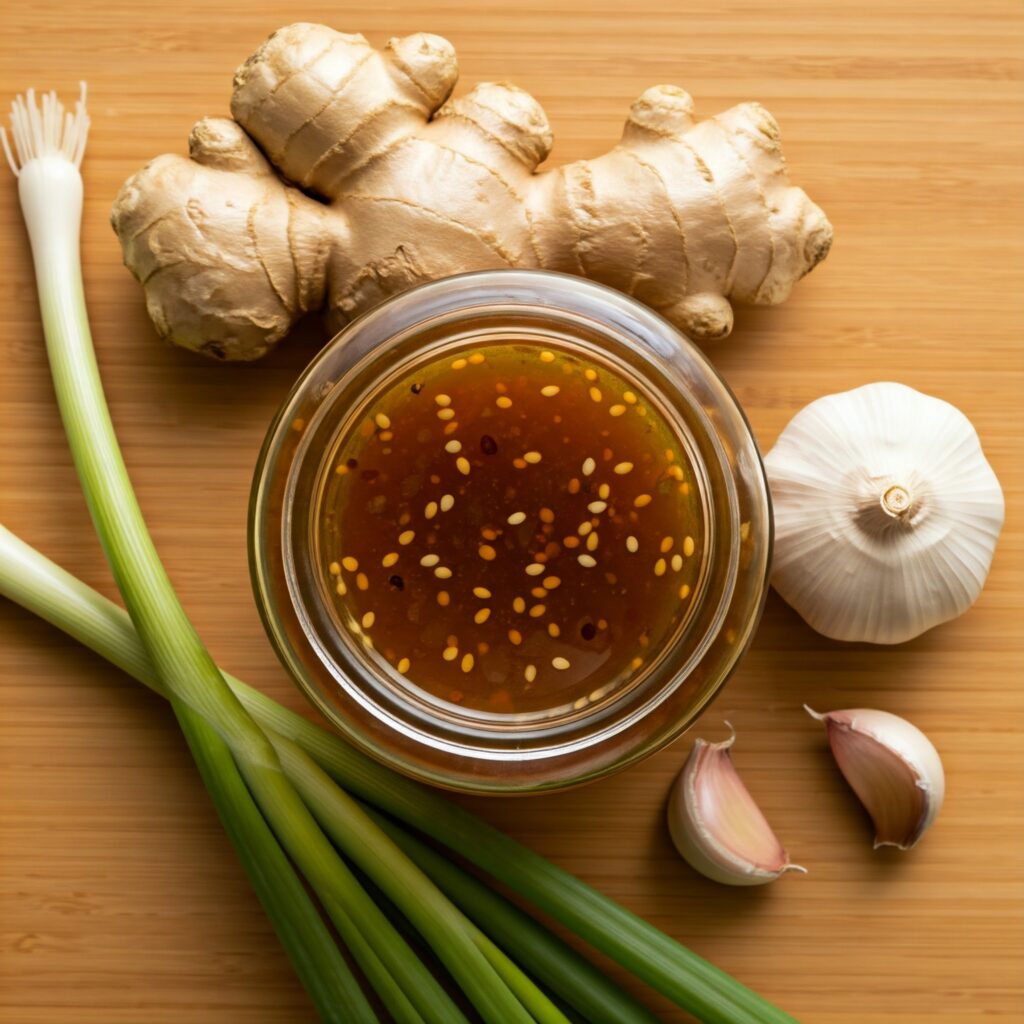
[503, 755]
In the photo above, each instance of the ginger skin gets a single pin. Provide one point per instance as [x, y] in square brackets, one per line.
[348, 175]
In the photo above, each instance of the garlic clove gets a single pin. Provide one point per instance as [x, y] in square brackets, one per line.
[886, 513]
[893, 768]
[715, 824]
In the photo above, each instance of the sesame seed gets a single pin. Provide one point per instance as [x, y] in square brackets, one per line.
[382, 421]
[403, 665]
[584, 528]
[537, 611]
[587, 561]
[447, 501]
[590, 374]
[574, 486]
[571, 542]
[560, 663]
[592, 542]
[538, 592]
[430, 560]
[368, 620]
[532, 457]
[446, 414]
[362, 582]
[386, 435]
[515, 637]
[547, 357]
[481, 592]
[503, 402]
[550, 390]
[341, 469]
[443, 598]
[659, 567]
[589, 465]
[450, 653]
[666, 544]
[453, 447]
[467, 663]
[534, 569]
[684, 488]
[341, 589]
[632, 545]
[546, 515]
[481, 616]
[518, 605]
[431, 510]
[684, 591]
[641, 410]
[553, 630]
[487, 553]
[350, 563]
[519, 463]
[367, 643]
[595, 394]
[552, 582]
[443, 400]
[530, 673]
[476, 358]
[442, 572]
[688, 546]
[334, 569]
[616, 410]
[604, 491]
[488, 534]
[597, 507]
[406, 537]
[629, 397]
[462, 465]
[675, 472]
[450, 428]
[516, 518]
[677, 562]
[641, 500]
[459, 364]
[636, 663]
[389, 559]
[622, 468]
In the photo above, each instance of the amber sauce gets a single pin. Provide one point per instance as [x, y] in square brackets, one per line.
[515, 529]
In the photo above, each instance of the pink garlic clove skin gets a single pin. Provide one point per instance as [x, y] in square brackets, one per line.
[715, 824]
[893, 768]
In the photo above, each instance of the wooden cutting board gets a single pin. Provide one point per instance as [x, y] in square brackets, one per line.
[120, 900]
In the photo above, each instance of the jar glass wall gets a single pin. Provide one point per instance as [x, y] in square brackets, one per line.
[543, 738]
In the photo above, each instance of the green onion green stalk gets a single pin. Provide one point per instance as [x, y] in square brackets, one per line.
[280, 784]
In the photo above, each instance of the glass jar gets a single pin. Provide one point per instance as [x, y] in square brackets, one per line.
[468, 749]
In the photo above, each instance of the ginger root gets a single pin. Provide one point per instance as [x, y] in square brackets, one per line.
[348, 175]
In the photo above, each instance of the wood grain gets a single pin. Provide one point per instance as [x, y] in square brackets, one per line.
[120, 900]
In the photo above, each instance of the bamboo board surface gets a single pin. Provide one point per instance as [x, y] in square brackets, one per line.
[120, 900]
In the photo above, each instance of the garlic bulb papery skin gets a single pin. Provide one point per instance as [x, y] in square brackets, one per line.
[715, 824]
[886, 513]
[893, 768]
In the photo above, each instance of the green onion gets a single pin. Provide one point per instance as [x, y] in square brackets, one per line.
[39, 585]
[50, 188]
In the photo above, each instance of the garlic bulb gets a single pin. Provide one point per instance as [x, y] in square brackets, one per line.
[715, 824]
[886, 513]
[893, 768]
